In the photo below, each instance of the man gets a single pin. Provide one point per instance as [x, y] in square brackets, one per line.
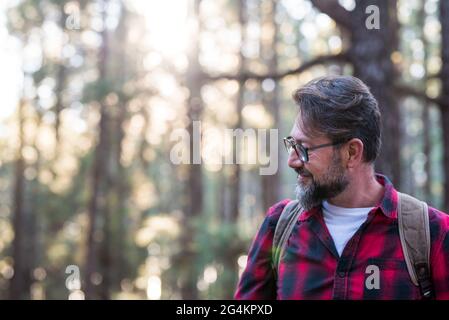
[348, 229]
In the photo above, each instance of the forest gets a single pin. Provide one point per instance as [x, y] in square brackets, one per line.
[141, 140]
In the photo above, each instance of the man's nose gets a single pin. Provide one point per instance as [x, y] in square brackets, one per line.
[294, 161]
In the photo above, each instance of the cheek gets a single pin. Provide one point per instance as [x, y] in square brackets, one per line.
[315, 169]
[320, 164]
[312, 170]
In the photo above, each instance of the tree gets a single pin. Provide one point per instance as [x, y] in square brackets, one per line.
[370, 53]
[271, 183]
[19, 287]
[426, 106]
[98, 205]
[444, 107]
[193, 194]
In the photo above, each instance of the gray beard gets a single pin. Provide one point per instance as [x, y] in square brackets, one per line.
[332, 184]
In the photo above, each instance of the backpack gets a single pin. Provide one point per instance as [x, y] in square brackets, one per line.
[414, 232]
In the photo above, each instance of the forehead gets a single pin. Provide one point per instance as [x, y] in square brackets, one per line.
[298, 134]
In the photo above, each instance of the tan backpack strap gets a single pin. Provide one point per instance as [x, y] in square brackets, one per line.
[414, 232]
[284, 228]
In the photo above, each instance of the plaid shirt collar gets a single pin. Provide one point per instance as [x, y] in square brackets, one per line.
[387, 205]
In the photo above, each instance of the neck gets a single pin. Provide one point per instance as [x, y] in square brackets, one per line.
[362, 191]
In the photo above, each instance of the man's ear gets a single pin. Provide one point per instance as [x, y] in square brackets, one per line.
[354, 152]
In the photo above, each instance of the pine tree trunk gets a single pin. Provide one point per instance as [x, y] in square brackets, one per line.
[371, 52]
[425, 111]
[444, 20]
[18, 289]
[193, 200]
[97, 209]
[271, 183]
[121, 189]
[61, 76]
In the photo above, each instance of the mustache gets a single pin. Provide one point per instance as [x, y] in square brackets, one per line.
[303, 172]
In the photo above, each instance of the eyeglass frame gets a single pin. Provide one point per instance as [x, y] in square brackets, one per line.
[295, 145]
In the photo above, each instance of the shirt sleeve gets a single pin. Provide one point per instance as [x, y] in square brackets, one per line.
[257, 281]
[440, 269]
[439, 254]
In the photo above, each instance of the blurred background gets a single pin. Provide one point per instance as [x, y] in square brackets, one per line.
[91, 205]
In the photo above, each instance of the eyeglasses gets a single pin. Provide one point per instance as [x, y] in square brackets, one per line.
[301, 151]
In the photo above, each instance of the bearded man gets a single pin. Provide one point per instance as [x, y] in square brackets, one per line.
[345, 243]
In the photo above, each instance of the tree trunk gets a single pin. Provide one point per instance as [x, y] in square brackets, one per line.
[271, 183]
[193, 201]
[97, 208]
[121, 194]
[34, 242]
[61, 76]
[115, 261]
[18, 288]
[425, 111]
[371, 52]
[233, 185]
[444, 20]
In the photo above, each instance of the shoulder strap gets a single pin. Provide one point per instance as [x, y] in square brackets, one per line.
[283, 230]
[414, 231]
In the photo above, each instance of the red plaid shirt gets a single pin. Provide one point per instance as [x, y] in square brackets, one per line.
[312, 269]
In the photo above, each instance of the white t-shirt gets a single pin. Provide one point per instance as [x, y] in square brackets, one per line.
[342, 223]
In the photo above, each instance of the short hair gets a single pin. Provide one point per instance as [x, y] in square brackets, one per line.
[341, 108]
